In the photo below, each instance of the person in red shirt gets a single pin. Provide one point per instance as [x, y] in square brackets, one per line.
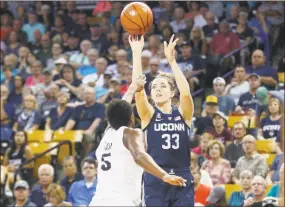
[201, 191]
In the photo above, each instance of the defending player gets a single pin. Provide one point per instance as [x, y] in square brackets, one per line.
[166, 129]
[121, 154]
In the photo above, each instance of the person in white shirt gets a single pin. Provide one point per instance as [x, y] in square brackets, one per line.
[178, 22]
[77, 60]
[200, 20]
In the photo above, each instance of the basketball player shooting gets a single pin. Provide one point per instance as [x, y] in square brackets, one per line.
[122, 156]
[167, 128]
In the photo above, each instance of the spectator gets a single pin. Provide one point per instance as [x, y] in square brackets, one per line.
[13, 43]
[120, 55]
[38, 193]
[68, 82]
[128, 80]
[59, 115]
[146, 55]
[17, 27]
[56, 196]
[32, 26]
[201, 191]
[82, 28]
[77, 60]
[166, 32]
[258, 185]
[233, 19]
[198, 42]
[239, 84]
[193, 8]
[87, 117]
[11, 62]
[248, 101]
[217, 8]
[82, 192]
[238, 198]
[223, 43]
[275, 190]
[273, 176]
[178, 22]
[206, 120]
[45, 52]
[21, 194]
[154, 71]
[218, 168]
[268, 75]
[59, 63]
[250, 161]
[211, 28]
[219, 131]
[29, 117]
[18, 153]
[72, 46]
[98, 39]
[98, 78]
[56, 52]
[8, 77]
[5, 26]
[16, 95]
[59, 28]
[36, 45]
[36, 77]
[234, 150]
[111, 56]
[70, 172]
[113, 93]
[201, 150]
[85, 70]
[23, 66]
[200, 20]
[217, 197]
[154, 46]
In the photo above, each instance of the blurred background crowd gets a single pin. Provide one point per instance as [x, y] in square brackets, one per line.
[62, 62]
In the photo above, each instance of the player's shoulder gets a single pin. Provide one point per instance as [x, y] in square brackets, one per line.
[132, 131]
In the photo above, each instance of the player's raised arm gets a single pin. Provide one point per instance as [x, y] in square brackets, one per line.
[135, 86]
[186, 107]
[145, 110]
[134, 141]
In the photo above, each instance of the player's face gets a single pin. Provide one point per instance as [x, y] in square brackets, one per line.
[215, 151]
[161, 91]
[88, 170]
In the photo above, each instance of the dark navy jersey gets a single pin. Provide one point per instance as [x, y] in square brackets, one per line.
[167, 139]
[270, 128]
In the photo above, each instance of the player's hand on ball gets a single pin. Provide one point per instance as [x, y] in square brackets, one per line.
[169, 49]
[136, 43]
[174, 180]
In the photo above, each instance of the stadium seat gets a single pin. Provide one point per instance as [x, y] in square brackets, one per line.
[265, 146]
[246, 119]
[281, 77]
[39, 135]
[269, 158]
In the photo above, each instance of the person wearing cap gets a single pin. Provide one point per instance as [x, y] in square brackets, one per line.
[258, 186]
[77, 60]
[219, 131]
[113, 92]
[268, 75]
[21, 194]
[59, 63]
[217, 197]
[206, 120]
[32, 26]
[252, 160]
[248, 101]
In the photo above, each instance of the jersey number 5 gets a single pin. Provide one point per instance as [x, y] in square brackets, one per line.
[106, 165]
[168, 144]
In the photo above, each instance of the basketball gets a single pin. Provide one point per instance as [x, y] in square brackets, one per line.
[136, 18]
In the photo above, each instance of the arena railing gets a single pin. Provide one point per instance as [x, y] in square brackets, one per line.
[57, 146]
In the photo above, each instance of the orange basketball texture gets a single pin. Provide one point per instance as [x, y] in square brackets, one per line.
[136, 18]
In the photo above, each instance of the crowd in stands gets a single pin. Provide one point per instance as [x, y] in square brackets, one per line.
[61, 66]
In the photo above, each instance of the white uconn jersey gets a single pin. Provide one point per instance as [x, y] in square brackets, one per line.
[119, 177]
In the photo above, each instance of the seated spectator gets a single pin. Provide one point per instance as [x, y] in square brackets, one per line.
[97, 78]
[56, 196]
[18, 153]
[59, 63]
[59, 115]
[200, 19]
[219, 131]
[13, 43]
[87, 117]
[21, 194]
[111, 56]
[36, 76]
[252, 161]
[258, 186]
[146, 55]
[274, 176]
[178, 23]
[72, 44]
[201, 191]
[16, 96]
[56, 53]
[98, 39]
[275, 190]
[77, 60]
[198, 42]
[7, 112]
[268, 75]
[201, 150]
[68, 82]
[10, 62]
[82, 192]
[44, 53]
[217, 197]
[70, 172]
[193, 8]
[225, 102]
[45, 173]
[113, 93]
[154, 71]
[17, 27]
[218, 168]
[233, 17]
[5, 28]
[270, 126]
[120, 55]
[206, 120]
[29, 117]
[239, 84]
[211, 28]
[89, 69]
[248, 101]
[128, 80]
[238, 198]
[234, 150]
[8, 77]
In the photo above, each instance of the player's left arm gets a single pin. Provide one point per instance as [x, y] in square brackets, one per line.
[186, 107]
[135, 86]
